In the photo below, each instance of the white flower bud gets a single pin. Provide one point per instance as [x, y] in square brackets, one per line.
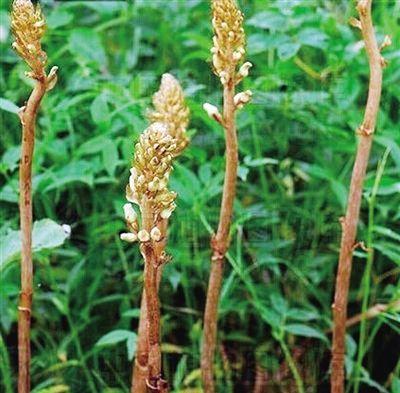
[143, 235]
[130, 214]
[237, 55]
[155, 234]
[244, 69]
[166, 213]
[128, 237]
[211, 110]
[242, 98]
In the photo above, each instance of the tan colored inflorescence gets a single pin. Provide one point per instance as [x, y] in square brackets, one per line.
[151, 168]
[28, 26]
[170, 108]
[229, 40]
[159, 144]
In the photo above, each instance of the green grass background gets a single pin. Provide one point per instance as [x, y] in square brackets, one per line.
[297, 142]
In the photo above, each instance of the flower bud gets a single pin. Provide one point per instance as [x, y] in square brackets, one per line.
[143, 235]
[244, 69]
[166, 213]
[243, 98]
[128, 237]
[155, 234]
[237, 55]
[211, 110]
[129, 212]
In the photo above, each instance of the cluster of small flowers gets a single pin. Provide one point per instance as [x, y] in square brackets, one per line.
[151, 169]
[170, 108]
[228, 51]
[28, 27]
[148, 181]
[228, 42]
[229, 39]
[159, 144]
[135, 234]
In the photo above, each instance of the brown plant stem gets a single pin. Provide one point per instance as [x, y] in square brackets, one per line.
[28, 118]
[220, 242]
[350, 221]
[140, 365]
[152, 262]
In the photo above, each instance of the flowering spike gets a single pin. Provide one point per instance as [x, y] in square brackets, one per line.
[151, 168]
[28, 27]
[229, 39]
[170, 108]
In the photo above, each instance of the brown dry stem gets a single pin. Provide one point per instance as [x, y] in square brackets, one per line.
[28, 118]
[220, 241]
[140, 366]
[350, 221]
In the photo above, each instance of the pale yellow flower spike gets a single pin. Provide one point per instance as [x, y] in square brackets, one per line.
[170, 108]
[151, 168]
[229, 40]
[28, 27]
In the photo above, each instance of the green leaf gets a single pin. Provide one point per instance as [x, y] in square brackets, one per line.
[131, 345]
[110, 157]
[302, 314]
[390, 250]
[45, 234]
[255, 162]
[114, 337]
[7, 105]
[99, 109]
[59, 17]
[271, 317]
[85, 43]
[133, 313]
[387, 232]
[48, 234]
[288, 50]
[303, 330]
[269, 20]
[312, 37]
[180, 372]
[11, 157]
[395, 385]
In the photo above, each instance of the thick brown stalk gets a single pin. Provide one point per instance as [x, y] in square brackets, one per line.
[220, 241]
[152, 262]
[350, 221]
[140, 366]
[28, 117]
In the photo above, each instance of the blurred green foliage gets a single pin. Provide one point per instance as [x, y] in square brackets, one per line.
[297, 142]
